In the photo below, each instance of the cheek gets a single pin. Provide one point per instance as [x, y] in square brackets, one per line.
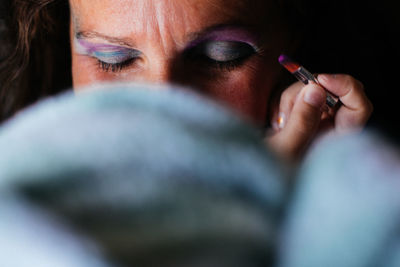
[86, 71]
[247, 92]
[82, 73]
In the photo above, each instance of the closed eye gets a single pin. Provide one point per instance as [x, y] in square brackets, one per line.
[116, 61]
[224, 55]
[109, 57]
[115, 67]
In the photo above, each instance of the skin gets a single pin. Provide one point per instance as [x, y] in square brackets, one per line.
[307, 116]
[148, 26]
[167, 40]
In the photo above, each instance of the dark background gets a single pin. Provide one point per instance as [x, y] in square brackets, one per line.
[360, 38]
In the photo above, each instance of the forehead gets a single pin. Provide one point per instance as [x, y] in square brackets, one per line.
[126, 17]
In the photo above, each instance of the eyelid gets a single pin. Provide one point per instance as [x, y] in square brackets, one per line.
[115, 57]
[227, 50]
[222, 51]
[232, 55]
[107, 53]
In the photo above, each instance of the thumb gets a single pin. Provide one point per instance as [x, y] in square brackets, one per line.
[302, 124]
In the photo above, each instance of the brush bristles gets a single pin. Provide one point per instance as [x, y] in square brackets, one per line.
[288, 63]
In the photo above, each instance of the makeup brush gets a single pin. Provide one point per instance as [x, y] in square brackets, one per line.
[305, 76]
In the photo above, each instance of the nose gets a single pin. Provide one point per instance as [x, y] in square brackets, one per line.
[158, 71]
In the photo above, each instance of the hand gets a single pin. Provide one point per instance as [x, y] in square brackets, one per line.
[302, 113]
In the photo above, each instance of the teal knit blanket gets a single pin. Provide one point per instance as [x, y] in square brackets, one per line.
[141, 175]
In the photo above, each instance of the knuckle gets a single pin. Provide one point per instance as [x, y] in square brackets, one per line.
[358, 85]
[285, 95]
[353, 83]
[365, 112]
[348, 80]
[289, 95]
[306, 123]
[366, 104]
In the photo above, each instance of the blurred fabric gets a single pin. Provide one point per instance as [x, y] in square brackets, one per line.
[154, 177]
[140, 175]
[345, 209]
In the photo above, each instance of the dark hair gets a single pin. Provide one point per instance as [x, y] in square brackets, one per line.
[37, 47]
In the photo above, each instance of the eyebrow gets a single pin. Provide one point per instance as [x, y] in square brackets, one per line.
[191, 38]
[110, 39]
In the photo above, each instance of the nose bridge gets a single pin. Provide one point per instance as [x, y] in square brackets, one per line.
[161, 49]
[159, 71]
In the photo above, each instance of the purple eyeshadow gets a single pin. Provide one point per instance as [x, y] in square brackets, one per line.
[105, 52]
[91, 47]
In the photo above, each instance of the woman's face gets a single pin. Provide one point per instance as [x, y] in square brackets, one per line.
[226, 49]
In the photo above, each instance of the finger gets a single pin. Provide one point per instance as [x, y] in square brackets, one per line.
[348, 89]
[356, 108]
[286, 104]
[303, 122]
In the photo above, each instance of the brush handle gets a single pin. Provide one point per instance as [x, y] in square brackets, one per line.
[331, 100]
[305, 76]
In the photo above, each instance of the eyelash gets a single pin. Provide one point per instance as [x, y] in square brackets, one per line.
[226, 65]
[118, 67]
[115, 67]
[219, 65]
[198, 55]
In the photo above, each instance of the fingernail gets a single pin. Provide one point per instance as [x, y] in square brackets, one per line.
[280, 122]
[314, 96]
[326, 77]
[322, 77]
